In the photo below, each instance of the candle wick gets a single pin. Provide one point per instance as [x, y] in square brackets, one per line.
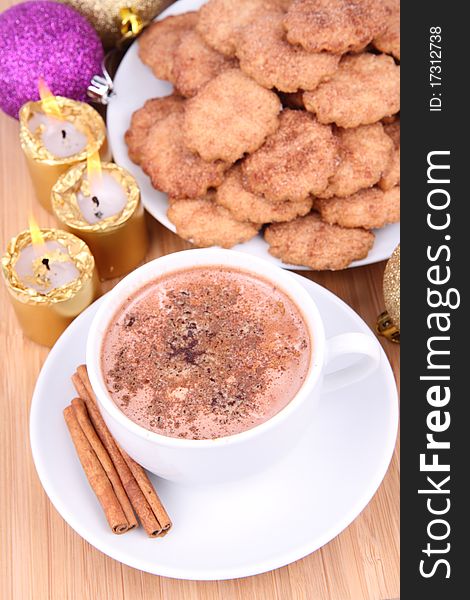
[64, 134]
[45, 262]
[95, 200]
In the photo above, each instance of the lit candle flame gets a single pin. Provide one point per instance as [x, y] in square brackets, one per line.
[49, 103]
[37, 238]
[93, 167]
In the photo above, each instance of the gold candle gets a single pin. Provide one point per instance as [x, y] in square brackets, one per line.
[51, 278]
[55, 135]
[105, 211]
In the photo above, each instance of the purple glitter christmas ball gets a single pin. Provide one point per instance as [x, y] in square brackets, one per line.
[49, 40]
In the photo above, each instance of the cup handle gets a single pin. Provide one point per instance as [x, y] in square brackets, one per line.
[351, 343]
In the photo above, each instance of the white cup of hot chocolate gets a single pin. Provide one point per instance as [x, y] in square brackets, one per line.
[241, 433]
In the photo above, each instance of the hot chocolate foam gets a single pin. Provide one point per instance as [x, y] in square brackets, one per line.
[205, 352]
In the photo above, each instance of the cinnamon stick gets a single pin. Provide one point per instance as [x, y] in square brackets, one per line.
[96, 475]
[149, 492]
[137, 470]
[139, 500]
[83, 419]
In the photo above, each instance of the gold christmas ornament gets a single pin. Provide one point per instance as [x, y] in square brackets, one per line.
[392, 287]
[388, 323]
[118, 19]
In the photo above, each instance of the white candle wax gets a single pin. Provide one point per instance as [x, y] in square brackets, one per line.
[53, 263]
[60, 137]
[107, 198]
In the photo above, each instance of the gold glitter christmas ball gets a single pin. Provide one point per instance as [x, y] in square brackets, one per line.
[111, 17]
[392, 287]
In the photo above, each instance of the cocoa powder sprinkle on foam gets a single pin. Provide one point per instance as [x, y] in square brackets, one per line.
[205, 353]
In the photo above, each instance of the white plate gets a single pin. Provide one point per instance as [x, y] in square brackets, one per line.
[134, 83]
[247, 527]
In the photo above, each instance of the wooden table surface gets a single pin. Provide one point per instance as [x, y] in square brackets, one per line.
[43, 558]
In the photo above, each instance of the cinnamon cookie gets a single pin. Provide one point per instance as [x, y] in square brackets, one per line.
[246, 206]
[220, 20]
[297, 160]
[144, 118]
[158, 43]
[364, 89]
[204, 223]
[195, 63]
[172, 167]
[391, 175]
[311, 242]
[370, 208]
[365, 153]
[334, 25]
[266, 56]
[231, 115]
[389, 40]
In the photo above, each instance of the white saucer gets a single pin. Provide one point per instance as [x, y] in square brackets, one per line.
[135, 83]
[250, 526]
